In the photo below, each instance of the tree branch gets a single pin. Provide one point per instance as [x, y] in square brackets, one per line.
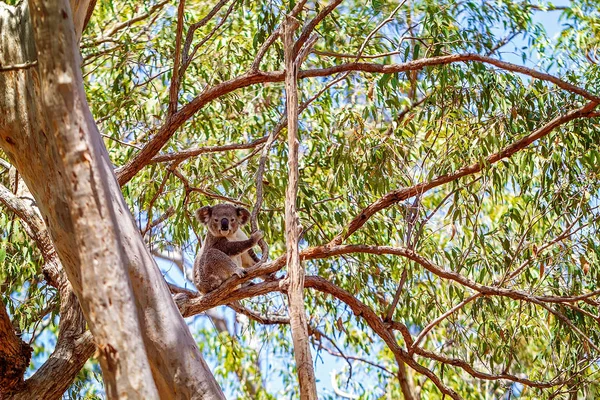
[483, 375]
[16, 67]
[175, 80]
[74, 345]
[442, 317]
[194, 306]
[125, 24]
[185, 154]
[449, 59]
[405, 193]
[14, 354]
[190, 57]
[310, 27]
[141, 159]
[190, 33]
[226, 294]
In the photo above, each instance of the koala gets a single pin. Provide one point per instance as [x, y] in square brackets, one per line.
[224, 252]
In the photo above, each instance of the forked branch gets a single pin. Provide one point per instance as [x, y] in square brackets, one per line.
[398, 195]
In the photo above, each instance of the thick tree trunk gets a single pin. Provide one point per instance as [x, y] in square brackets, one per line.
[47, 131]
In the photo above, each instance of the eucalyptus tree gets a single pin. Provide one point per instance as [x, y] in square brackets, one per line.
[430, 221]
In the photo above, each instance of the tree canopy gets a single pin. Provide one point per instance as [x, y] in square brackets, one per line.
[447, 193]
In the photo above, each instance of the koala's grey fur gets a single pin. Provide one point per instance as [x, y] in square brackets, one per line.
[224, 251]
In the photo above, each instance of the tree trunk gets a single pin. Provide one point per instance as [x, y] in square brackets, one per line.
[48, 133]
[298, 324]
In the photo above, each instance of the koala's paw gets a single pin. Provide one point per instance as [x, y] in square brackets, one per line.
[240, 272]
[256, 236]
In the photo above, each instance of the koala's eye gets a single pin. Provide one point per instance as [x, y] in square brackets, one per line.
[216, 219]
[232, 219]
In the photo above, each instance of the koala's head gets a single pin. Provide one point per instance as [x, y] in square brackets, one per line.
[223, 220]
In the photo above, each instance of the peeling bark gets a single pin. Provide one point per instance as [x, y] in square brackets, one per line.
[14, 354]
[295, 291]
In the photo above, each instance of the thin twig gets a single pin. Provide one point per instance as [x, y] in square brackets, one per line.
[207, 37]
[135, 146]
[442, 317]
[392, 308]
[260, 54]
[405, 193]
[17, 67]
[170, 211]
[175, 80]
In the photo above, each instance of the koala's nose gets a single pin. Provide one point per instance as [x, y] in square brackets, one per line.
[224, 224]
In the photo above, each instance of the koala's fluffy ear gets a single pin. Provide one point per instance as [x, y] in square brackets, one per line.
[203, 214]
[243, 214]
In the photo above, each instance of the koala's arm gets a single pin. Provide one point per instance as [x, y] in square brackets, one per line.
[234, 248]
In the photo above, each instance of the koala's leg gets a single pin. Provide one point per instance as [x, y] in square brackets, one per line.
[222, 266]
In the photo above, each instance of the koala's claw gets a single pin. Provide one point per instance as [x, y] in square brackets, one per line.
[240, 272]
[256, 236]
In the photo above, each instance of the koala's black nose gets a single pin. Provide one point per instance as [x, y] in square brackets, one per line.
[224, 224]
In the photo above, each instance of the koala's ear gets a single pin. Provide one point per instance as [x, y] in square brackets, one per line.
[203, 214]
[243, 214]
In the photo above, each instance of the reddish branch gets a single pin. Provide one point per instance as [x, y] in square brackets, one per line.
[483, 375]
[128, 171]
[182, 155]
[14, 354]
[396, 196]
[225, 294]
[328, 251]
[196, 305]
[310, 27]
[443, 60]
[192, 306]
[125, 24]
[377, 324]
[193, 28]
[74, 345]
